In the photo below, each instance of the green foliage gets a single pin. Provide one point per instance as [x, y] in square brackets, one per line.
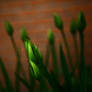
[65, 69]
[49, 80]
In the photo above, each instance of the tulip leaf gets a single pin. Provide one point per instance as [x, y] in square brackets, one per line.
[23, 81]
[53, 52]
[47, 56]
[34, 70]
[65, 69]
[6, 78]
[83, 70]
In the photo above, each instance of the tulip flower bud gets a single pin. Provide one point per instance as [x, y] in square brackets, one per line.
[58, 22]
[23, 34]
[81, 22]
[33, 52]
[50, 36]
[9, 28]
[34, 57]
[73, 27]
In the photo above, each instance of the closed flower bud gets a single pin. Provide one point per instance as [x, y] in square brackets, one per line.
[23, 34]
[81, 22]
[9, 28]
[50, 36]
[34, 57]
[33, 52]
[73, 27]
[58, 22]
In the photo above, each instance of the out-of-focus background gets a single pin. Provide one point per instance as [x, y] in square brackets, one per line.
[37, 17]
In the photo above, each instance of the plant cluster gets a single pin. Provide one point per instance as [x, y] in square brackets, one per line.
[50, 81]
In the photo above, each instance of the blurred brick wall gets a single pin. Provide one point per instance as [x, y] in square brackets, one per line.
[37, 17]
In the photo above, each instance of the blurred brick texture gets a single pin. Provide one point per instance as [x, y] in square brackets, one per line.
[37, 17]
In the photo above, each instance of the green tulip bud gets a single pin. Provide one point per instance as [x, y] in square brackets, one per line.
[58, 22]
[23, 34]
[33, 52]
[73, 27]
[50, 36]
[81, 22]
[34, 57]
[9, 28]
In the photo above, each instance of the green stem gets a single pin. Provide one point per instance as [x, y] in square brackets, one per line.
[55, 64]
[83, 72]
[23, 81]
[76, 49]
[67, 48]
[43, 85]
[47, 56]
[76, 54]
[65, 69]
[32, 82]
[19, 65]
